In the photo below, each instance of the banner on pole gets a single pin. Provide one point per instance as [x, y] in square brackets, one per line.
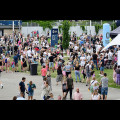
[54, 37]
[106, 34]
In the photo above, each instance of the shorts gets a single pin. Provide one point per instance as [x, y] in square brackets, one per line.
[101, 68]
[88, 75]
[51, 64]
[104, 90]
[16, 64]
[82, 64]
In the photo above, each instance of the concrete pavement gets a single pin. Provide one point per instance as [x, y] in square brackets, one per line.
[11, 83]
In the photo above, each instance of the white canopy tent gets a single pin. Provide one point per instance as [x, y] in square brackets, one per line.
[115, 41]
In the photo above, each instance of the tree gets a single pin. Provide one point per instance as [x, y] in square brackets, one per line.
[66, 36]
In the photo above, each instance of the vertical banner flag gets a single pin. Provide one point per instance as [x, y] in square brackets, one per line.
[54, 37]
[106, 34]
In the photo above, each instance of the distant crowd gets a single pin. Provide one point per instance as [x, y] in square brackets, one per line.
[84, 58]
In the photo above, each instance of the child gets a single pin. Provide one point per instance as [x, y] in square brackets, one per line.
[13, 66]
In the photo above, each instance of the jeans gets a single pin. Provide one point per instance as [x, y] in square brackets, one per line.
[95, 62]
[69, 90]
[77, 73]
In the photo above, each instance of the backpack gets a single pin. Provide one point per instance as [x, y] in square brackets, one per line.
[6, 60]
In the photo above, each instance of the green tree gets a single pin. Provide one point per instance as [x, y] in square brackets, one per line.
[66, 36]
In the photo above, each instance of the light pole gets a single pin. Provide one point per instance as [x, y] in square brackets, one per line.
[13, 37]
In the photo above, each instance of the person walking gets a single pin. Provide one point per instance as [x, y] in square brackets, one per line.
[118, 76]
[104, 89]
[77, 71]
[70, 86]
[45, 91]
[68, 69]
[59, 75]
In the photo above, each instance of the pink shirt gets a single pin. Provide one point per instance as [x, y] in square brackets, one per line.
[44, 71]
[77, 96]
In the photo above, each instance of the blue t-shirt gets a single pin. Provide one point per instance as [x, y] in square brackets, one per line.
[16, 59]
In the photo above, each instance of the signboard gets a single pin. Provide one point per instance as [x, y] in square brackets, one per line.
[106, 34]
[54, 37]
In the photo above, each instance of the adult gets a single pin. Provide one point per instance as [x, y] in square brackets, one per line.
[22, 87]
[104, 89]
[68, 69]
[77, 71]
[16, 61]
[77, 95]
[88, 72]
[51, 62]
[45, 91]
[31, 88]
[83, 60]
[21, 96]
[110, 56]
[70, 86]
[59, 75]
[118, 76]
[94, 56]
[24, 65]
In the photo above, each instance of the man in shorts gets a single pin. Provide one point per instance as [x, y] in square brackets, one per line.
[51, 62]
[104, 89]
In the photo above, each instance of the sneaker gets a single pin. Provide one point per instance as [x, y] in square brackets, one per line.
[80, 81]
[86, 85]
[76, 81]
[2, 87]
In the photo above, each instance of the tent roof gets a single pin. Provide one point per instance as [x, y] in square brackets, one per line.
[116, 31]
[115, 41]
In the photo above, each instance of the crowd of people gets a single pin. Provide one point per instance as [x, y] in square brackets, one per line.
[84, 56]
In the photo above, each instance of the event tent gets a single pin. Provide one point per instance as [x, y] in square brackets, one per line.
[115, 41]
[115, 31]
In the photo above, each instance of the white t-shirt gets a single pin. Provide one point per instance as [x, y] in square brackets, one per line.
[29, 53]
[93, 83]
[95, 97]
[20, 98]
[76, 47]
[82, 59]
[110, 54]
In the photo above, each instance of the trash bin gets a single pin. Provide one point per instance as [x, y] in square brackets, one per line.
[33, 69]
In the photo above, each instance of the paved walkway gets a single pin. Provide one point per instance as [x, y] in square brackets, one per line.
[11, 82]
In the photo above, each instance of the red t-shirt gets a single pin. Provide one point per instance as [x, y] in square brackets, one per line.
[44, 71]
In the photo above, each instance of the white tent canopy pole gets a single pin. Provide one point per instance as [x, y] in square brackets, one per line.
[115, 41]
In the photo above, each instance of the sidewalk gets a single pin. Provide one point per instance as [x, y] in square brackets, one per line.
[11, 82]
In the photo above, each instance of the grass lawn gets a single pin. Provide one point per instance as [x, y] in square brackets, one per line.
[97, 72]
